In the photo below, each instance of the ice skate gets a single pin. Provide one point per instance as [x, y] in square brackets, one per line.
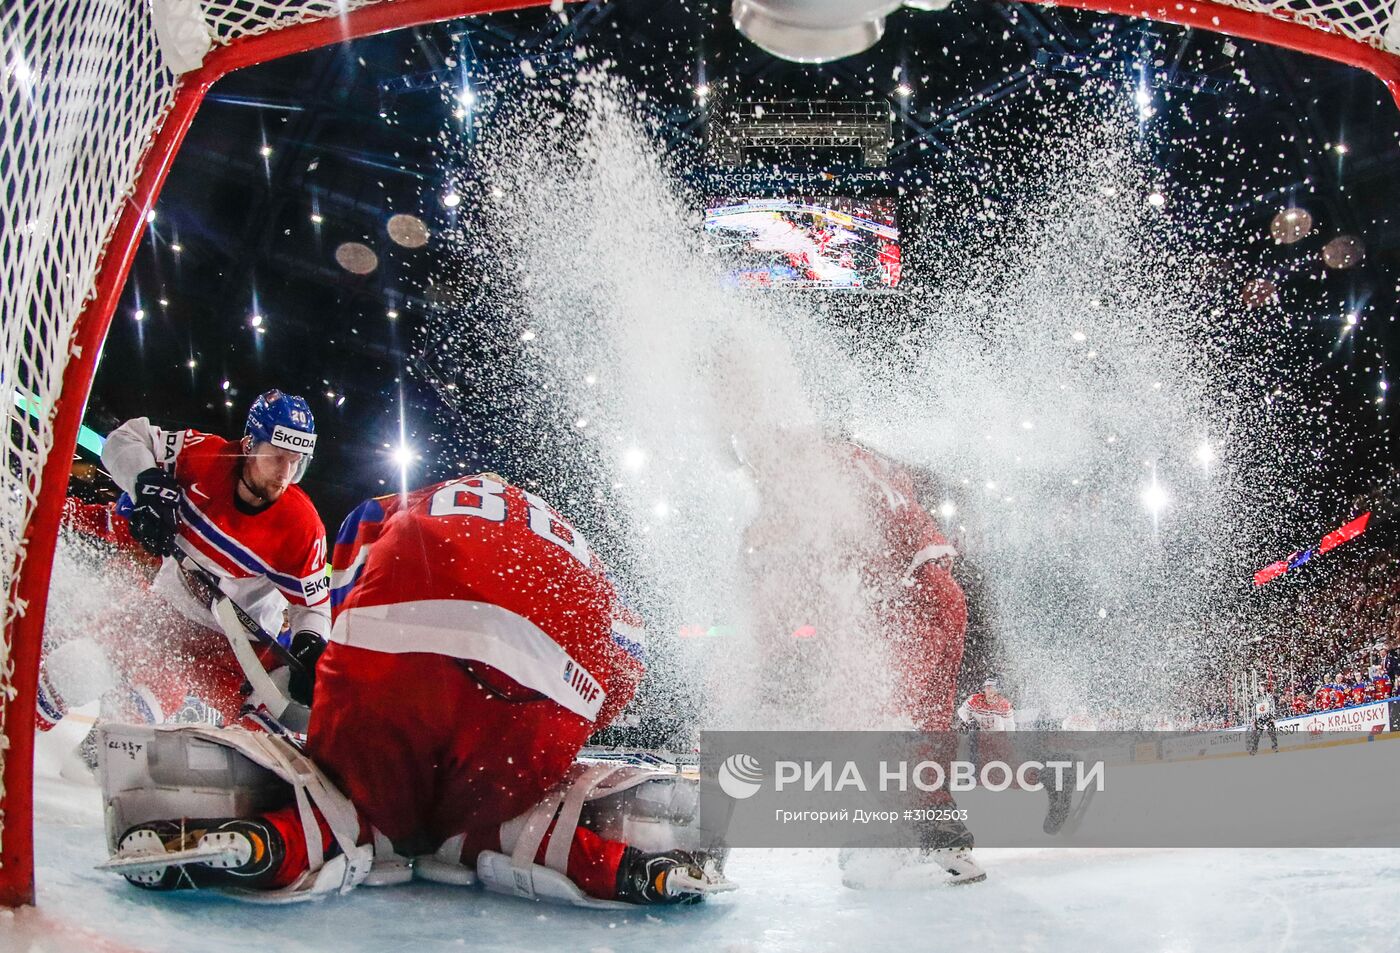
[942, 857]
[191, 853]
[676, 876]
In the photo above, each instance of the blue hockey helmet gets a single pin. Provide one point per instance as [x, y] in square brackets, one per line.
[285, 421]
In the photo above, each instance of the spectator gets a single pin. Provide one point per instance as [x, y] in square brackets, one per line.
[1378, 688]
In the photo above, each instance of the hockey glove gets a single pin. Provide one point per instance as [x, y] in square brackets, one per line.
[306, 648]
[153, 520]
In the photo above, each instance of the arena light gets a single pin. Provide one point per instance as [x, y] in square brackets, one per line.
[813, 31]
[634, 458]
[1155, 498]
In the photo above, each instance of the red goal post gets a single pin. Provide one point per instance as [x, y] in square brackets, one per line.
[97, 96]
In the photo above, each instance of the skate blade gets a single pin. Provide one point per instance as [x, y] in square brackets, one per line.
[150, 861]
[965, 872]
[682, 883]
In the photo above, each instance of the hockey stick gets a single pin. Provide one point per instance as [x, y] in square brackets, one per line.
[238, 627]
[206, 588]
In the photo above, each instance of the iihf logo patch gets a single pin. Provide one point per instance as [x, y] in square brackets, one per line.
[196, 711]
[568, 670]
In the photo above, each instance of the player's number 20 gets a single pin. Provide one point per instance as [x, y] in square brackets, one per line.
[488, 501]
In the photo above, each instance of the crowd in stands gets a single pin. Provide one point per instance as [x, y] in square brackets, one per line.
[1344, 689]
[1335, 639]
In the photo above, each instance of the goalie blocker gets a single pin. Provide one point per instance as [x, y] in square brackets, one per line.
[227, 809]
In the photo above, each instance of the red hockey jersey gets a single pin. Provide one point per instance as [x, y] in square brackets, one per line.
[1327, 697]
[103, 521]
[987, 714]
[267, 561]
[1378, 689]
[909, 535]
[479, 570]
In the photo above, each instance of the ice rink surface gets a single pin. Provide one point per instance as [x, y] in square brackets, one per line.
[790, 901]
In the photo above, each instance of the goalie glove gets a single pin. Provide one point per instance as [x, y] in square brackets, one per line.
[676, 876]
[153, 516]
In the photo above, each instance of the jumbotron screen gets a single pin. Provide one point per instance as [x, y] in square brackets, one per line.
[807, 242]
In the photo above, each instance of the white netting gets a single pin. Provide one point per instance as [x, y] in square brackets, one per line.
[84, 92]
[1366, 21]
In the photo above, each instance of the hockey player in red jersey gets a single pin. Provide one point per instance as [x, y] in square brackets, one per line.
[472, 654]
[922, 607]
[225, 511]
[107, 523]
[988, 710]
[72, 659]
[871, 525]
[1378, 686]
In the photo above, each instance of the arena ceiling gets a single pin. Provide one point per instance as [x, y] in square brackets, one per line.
[250, 276]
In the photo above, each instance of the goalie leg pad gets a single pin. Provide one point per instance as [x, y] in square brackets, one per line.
[158, 773]
[500, 874]
[646, 808]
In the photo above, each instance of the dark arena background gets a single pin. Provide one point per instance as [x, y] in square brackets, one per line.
[1116, 297]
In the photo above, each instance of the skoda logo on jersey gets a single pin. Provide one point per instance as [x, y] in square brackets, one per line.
[290, 439]
[740, 776]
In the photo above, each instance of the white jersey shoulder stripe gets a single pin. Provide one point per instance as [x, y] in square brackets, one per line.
[480, 632]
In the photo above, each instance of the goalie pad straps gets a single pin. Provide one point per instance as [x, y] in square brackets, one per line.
[563, 807]
[566, 800]
[556, 856]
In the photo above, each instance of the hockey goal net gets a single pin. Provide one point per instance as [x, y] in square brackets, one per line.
[97, 96]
